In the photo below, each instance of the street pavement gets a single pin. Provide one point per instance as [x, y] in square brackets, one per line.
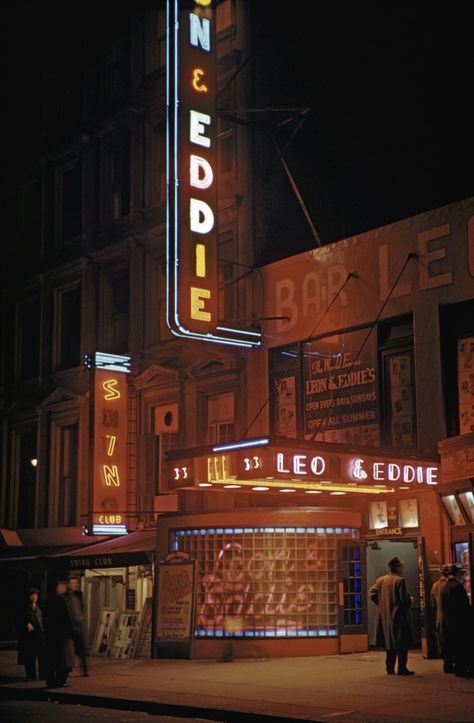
[345, 688]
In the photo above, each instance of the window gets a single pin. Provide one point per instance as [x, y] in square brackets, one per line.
[453, 510]
[352, 583]
[340, 388]
[27, 460]
[457, 349]
[30, 215]
[221, 417]
[114, 189]
[398, 382]
[119, 175]
[467, 501]
[69, 342]
[225, 132]
[227, 285]
[156, 47]
[266, 581]
[28, 326]
[465, 354]
[116, 60]
[225, 16]
[116, 312]
[67, 476]
[284, 391]
[69, 202]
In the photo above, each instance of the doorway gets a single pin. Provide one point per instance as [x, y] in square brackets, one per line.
[379, 552]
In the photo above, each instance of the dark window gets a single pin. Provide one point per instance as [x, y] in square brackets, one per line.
[225, 131]
[29, 331]
[227, 285]
[120, 179]
[116, 61]
[30, 219]
[119, 313]
[398, 382]
[70, 328]
[67, 476]
[27, 479]
[71, 202]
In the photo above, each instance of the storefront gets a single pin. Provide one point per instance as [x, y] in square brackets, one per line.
[276, 577]
[116, 579]
[456, 496]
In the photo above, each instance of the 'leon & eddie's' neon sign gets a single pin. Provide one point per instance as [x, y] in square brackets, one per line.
[191, 156]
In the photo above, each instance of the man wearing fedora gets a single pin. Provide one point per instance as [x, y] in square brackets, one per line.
[393, 617]
[436, 590]
[457, 627]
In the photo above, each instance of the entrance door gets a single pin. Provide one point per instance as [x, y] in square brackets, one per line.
[352, 597]
[379, 552]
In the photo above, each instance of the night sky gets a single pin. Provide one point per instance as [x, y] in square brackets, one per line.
[389, 132]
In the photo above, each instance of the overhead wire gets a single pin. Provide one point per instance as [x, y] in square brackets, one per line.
[410, 256]
[295, 359]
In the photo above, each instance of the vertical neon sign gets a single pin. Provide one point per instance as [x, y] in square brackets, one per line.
[191, 159]
[108, 453]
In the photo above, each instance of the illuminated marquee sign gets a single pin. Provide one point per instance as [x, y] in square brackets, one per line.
[234, 465]
[109, 447]
[191, 158]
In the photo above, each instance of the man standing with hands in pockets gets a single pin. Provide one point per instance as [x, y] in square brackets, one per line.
[393, 617]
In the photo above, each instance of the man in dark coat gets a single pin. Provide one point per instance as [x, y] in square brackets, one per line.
[76, 610]
[59, 638]
[448, 665]
[31, 637]
[457, 623]
[393, 617]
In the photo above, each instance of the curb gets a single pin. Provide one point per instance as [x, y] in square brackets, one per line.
[222, 715]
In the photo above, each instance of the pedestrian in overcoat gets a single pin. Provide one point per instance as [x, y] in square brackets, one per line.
[59, 638]
[75, 602]
[448, 664]
[393, 619]
[31, 638]
[457, 628]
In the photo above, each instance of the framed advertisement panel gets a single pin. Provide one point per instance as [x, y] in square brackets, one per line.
[175, 608]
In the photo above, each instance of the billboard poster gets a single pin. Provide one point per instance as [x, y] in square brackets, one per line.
[174, 624]
[340, 389]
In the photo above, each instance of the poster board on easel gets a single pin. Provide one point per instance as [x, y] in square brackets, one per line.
[105, 632]
[175, 607]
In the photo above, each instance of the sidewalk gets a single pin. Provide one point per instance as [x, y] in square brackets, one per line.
[331, 688]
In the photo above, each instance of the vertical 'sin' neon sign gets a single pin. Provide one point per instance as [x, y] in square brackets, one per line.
[191, 158]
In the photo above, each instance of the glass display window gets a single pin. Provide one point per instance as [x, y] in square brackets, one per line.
[408, 513]
[462, 558]
[452, 508]
[265, 581]
[467, 502]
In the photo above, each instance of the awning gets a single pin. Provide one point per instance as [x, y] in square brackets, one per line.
[136, 548]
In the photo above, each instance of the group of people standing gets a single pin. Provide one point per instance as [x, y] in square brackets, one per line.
[52, 635]
[454, 620]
